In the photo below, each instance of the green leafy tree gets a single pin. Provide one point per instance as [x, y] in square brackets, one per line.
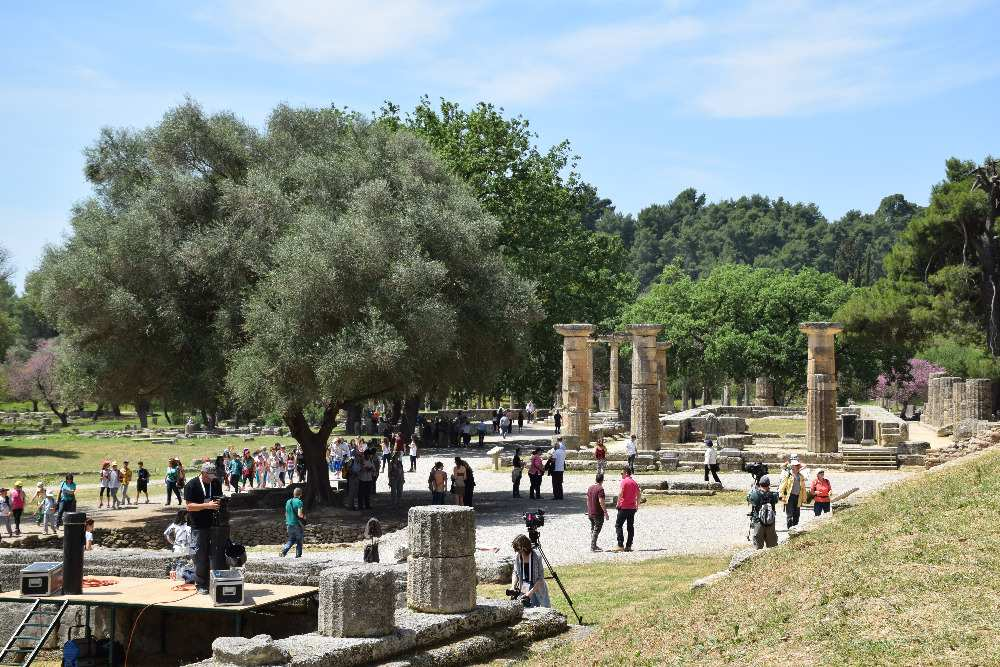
[421, 300]
[546, 214]
[738, 321]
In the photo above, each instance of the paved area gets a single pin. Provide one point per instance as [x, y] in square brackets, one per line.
[660, 531]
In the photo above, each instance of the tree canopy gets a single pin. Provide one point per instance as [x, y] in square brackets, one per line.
[325, 259]
[739, 322]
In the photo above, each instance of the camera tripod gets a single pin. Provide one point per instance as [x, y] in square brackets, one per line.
[536, 543]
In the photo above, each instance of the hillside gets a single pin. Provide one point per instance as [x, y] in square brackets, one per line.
[910, 577]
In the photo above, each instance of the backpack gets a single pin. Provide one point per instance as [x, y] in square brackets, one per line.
[766, 514]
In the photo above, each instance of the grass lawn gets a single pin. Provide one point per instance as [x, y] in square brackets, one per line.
[602, 591]
[49, 459]
[910, 577]
[779, 426]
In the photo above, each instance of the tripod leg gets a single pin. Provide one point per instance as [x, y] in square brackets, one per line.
[541, 552]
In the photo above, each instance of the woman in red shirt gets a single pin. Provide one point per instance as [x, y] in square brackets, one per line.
[600, 455]
[820, 489]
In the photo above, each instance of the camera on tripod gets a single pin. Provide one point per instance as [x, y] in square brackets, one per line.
[533, 520]
[757, 469]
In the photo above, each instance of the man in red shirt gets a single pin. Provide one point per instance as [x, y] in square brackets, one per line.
[597, 512]
[629, 497]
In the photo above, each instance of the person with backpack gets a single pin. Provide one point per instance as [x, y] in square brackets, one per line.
[762, 514]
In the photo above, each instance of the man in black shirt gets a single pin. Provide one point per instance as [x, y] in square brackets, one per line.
[198, 494]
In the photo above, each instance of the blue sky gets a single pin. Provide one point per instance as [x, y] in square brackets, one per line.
[839, 103]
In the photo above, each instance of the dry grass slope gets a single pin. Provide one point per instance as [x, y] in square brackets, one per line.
[911, 577]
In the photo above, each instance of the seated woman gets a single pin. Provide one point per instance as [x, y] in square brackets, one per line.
[529, 574]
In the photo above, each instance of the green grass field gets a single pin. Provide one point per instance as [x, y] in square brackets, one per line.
[48, 459]
[779, 426]
[910, 577]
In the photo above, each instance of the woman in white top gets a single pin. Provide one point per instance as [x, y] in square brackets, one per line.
[711, 461]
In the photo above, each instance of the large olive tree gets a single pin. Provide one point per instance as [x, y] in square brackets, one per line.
[323, 260]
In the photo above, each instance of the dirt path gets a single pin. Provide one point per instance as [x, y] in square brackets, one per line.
[920, 431]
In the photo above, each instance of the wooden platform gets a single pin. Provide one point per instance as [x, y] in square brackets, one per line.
[138, 592]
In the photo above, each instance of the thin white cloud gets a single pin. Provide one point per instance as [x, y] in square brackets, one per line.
[341, 31]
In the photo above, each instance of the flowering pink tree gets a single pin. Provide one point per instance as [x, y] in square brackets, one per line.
[905, 387]
[32, 377]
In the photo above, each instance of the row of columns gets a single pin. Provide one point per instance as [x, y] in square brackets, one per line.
[649, 383]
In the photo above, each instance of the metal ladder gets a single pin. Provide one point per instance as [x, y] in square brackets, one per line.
[21, 650]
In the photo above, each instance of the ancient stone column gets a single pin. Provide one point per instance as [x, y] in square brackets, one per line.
[341, 588]
[577, 376]
[441, 570]
[979, 398]
[645, 386]
[946, 405]
[661, 372]
[764, 395]
[957, 402]
[726, 398]
[613, 402]
[821, 386]
[932, 409]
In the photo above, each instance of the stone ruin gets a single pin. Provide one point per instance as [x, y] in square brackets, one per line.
[359, 622]
[952, 401]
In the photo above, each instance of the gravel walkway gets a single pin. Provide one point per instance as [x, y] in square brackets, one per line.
[660, 531]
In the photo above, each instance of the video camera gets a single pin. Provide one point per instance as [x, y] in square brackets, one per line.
[220, 517]
[533, 520]
[757, 469]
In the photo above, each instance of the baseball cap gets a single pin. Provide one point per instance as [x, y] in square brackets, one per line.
[208, 468]
[765, 480]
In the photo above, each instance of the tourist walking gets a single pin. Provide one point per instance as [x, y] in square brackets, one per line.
[516, 470]
[601, 455]
[437, 482]
[629, 497]
[114, 483]
[5, 511]
[49, 517]
[504, 426]
[557, 419]
[352, 473]
[396, 480]
[366, 480]
[458, 478]
[171, 479]
[141, 483]
[386, 454]
[413, 453]
[103, 491]
[520, 420]
[67, 497]
[820, 490]
[535, 470]
[558, 469]
[295, 514]
[198, 496]
[711, 461]
[762, 501]
[597, 511]
[126, 473]
[528, 576]
[792, 493]
[17, 500]
[37, 501]
[630, 451]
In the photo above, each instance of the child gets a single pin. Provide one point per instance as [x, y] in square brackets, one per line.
[178, 534]
[5, 511]
[141, 483]
[88, 535]
[49, 513]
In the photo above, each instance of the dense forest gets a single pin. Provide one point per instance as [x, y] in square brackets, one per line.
[757, 231]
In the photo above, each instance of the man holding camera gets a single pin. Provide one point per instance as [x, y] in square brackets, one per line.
[762, 514]
[201, 495]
